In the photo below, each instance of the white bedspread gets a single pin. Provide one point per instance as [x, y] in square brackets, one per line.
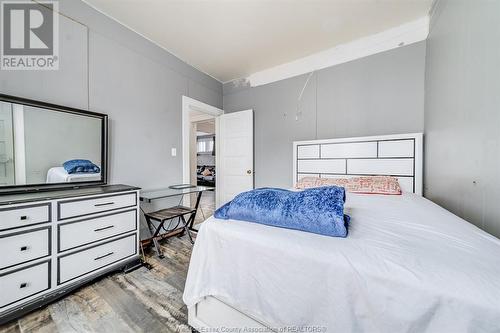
[407, 265]
[60, 175]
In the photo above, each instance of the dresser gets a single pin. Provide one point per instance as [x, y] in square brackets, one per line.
[54, 241]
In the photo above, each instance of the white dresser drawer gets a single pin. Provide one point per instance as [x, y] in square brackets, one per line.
[82, 232]
[81, 207]
[23, 283]
[23, 247]
[18, 217]
[80, 263]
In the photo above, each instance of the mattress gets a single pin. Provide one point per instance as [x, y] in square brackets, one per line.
[59, 175]
[406, 265]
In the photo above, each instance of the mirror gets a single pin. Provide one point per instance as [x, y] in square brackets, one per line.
[43, 144]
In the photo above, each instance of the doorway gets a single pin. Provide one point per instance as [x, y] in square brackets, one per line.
[204, 153]
[199, 152]
[231, 147]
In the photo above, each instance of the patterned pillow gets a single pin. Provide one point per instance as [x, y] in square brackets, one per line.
[309, 182]
[365, 185]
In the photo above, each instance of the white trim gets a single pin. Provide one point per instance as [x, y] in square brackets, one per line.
[189, 104]
[347, 158]
[19, 144]
[405, 34]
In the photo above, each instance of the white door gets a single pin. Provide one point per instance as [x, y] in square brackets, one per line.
[234, 155]
[6, 145]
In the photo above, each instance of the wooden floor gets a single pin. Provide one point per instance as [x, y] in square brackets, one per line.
[141, 301]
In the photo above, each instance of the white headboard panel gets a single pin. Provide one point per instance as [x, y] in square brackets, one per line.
[399, 155]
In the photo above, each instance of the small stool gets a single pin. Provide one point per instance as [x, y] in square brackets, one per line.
[163, 215]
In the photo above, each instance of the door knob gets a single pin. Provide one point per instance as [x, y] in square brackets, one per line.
[249, 172]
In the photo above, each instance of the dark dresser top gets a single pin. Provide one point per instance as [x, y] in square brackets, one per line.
[8, 199]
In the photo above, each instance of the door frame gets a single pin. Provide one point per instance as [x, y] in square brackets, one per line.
[9, 141]
[189, 104]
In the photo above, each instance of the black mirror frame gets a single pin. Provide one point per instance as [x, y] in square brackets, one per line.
[12, 189]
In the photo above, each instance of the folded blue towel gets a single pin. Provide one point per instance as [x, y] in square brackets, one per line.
[80, 166]
[318, 210]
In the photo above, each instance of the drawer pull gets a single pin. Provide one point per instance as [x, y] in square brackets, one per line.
[23, 218]
[104, 256]
[104, 204]
[24, 248]
[23, 285]
[104, 228]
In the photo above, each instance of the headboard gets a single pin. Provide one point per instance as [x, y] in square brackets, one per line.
[399, 155]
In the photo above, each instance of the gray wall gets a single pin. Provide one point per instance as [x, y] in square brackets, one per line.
[107, 68]
[462, 110]
[51, 138]
[379, 94]
[104, 67]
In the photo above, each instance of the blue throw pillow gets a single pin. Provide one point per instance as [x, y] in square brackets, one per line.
[80, 166]
[317, 210]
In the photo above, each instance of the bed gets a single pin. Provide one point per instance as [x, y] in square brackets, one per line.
[60, 175]
[407, 264]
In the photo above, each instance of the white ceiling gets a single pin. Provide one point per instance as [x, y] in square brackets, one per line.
[231, 39]
[207, 127]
